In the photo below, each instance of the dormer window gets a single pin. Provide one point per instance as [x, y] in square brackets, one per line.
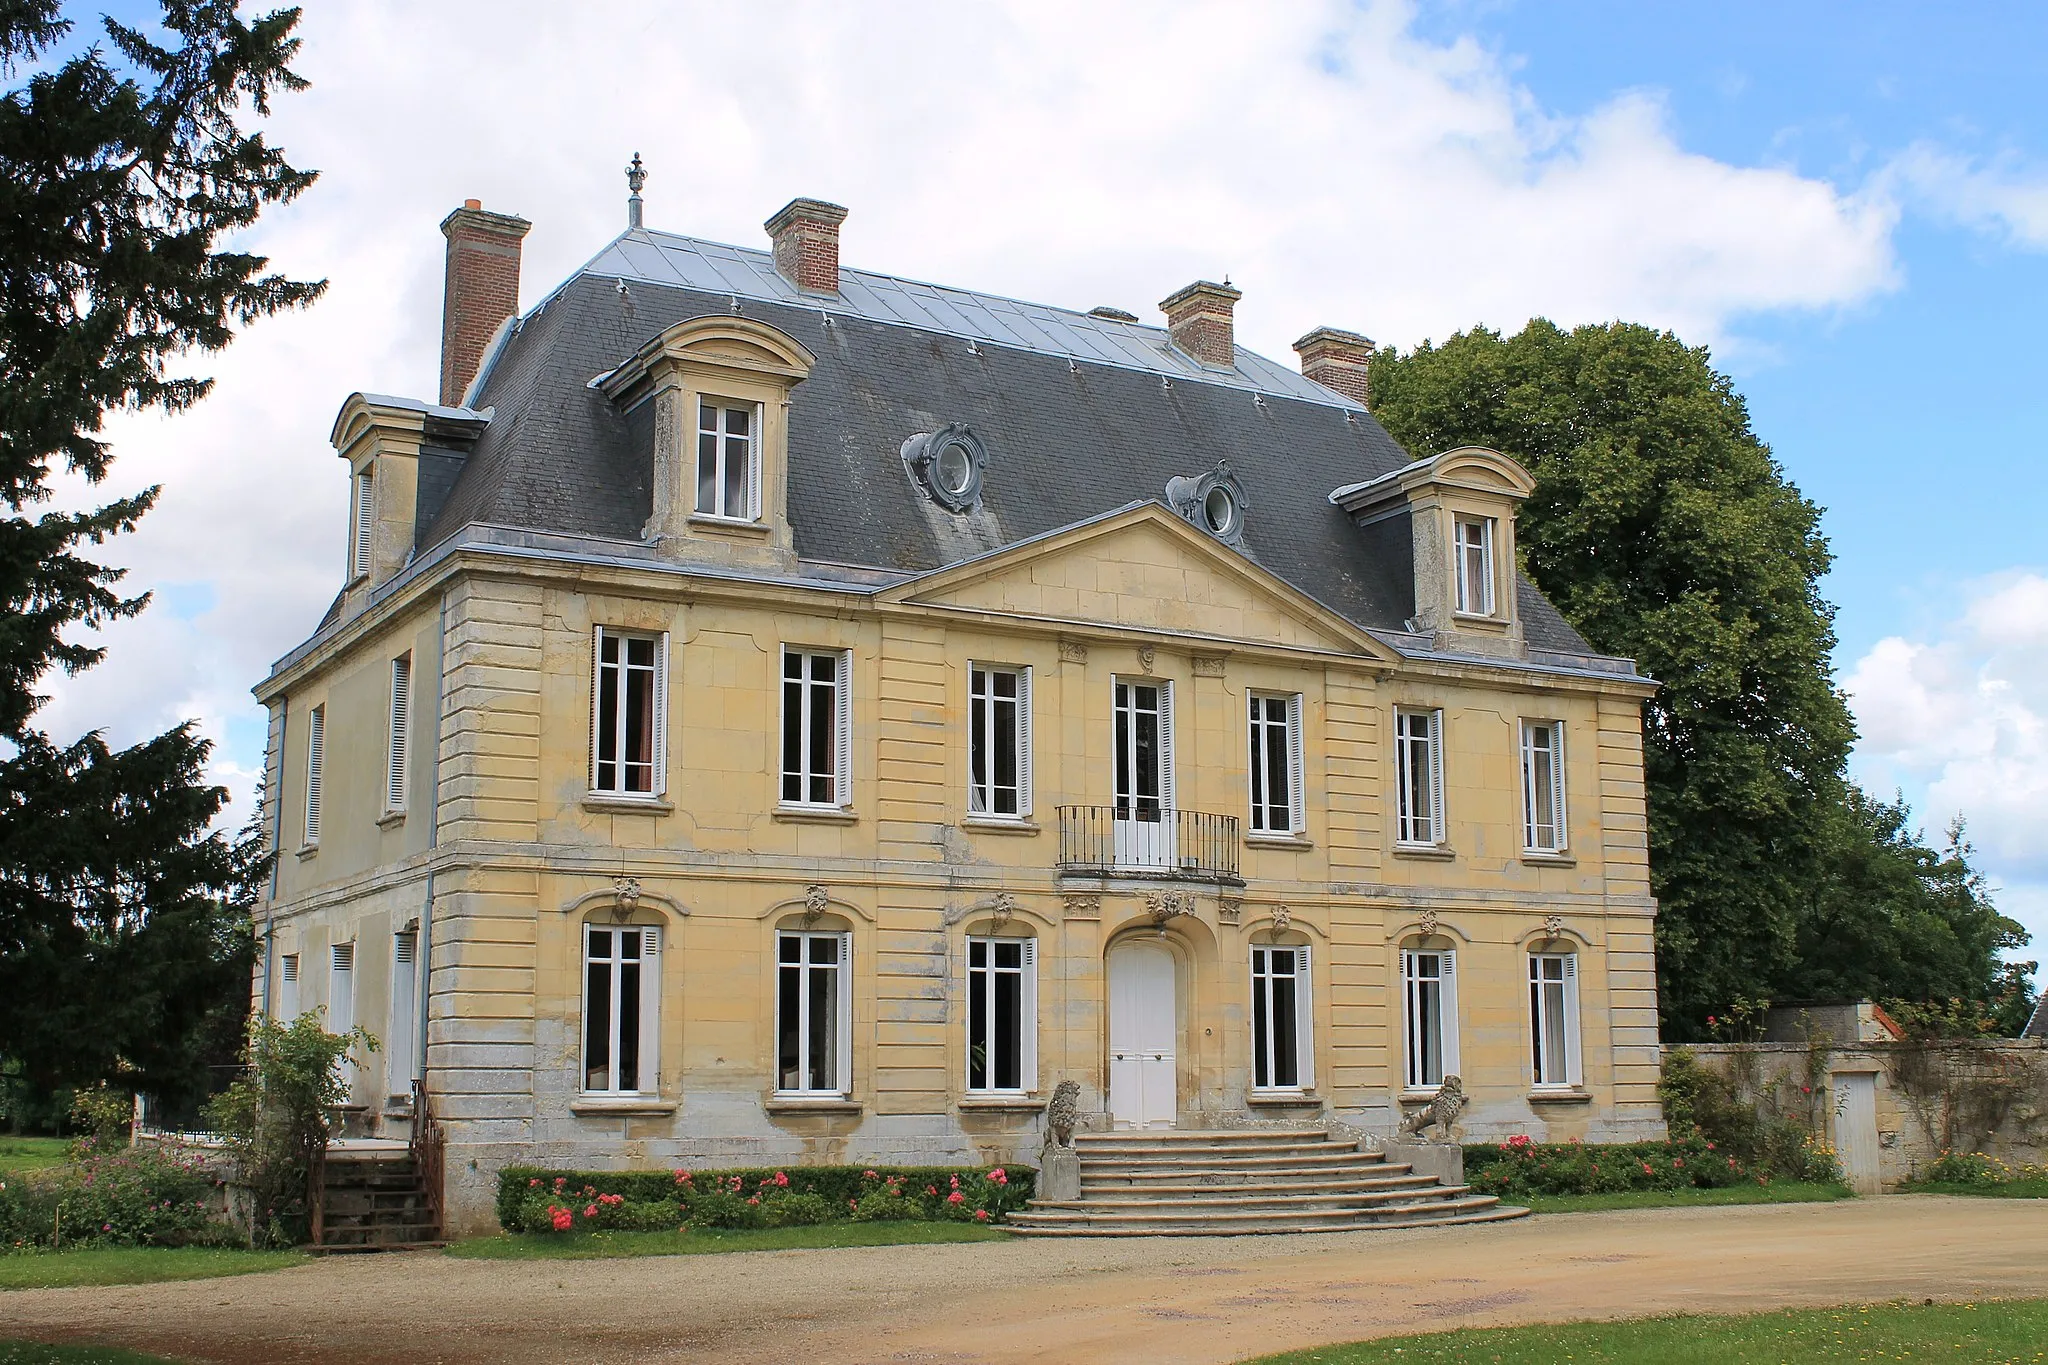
[1219, 511]
[1474, 537]
[1214, 501]
[728, 469]
[950, 463]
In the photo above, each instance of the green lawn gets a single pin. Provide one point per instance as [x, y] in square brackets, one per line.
[2011, 1189]
[1786, 1192]
[34, 1353]
[701, 1241]
[2014, 1333]
[133, 1265]
[32, 1154]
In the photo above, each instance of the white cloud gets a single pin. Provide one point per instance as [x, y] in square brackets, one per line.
[1960, 722]
[1339, 168]
[2003, 194]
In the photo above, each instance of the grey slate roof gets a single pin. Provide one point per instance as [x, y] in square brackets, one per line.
[1080, 416]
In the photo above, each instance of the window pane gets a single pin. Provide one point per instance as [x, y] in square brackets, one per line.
[607, 778]
[977, 1030]
[629, 1022]
[639, 750]
[737, 458]
[824, 949]
[597, 1022]
[788, 1017]
[792, 741]
[1010, 955]
[1277, 814]
[1286, 1058]
[707, 468]
[1009, 1010]
[824, 720]
[977, 748]
[1261, 1066]
[1553, 1032]
[1005, 721]
[824, 1033]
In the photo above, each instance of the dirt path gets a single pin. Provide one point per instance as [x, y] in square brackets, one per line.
[1155, 1301]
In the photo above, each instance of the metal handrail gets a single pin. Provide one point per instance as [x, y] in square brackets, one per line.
[1147, 839]
[426, 1147]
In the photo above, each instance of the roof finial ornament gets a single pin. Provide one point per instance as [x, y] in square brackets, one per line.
[636, 176]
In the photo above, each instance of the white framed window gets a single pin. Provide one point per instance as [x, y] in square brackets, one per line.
[1002, 1015]
[728, 460]
[1543, 817]
[401, 725]
[1554, 1018]
[621, 1006]
[1282, 1058]
[1429, 1006]
[813, 1013]
[628, 713]
[998, 741]
[1418, 776]
[1473, 538]
[1276, 766]
[341, 1002]
[316, 743]
[817, 725]
[288, 987]
[362, 524]
[401, 1047]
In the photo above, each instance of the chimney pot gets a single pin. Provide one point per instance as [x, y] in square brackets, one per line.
[805, 233]
[1198, 321]
[1338, 361]
[481, 289]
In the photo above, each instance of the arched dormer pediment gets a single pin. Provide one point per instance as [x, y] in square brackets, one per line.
[719, 387]
[1481, 470]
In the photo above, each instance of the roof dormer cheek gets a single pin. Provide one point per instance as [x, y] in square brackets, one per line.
[720, 390]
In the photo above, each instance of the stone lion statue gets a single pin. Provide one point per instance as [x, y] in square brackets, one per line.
[1442, 1111]
[1062, 1113]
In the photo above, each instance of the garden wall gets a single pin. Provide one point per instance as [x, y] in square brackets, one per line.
[1892, 1108]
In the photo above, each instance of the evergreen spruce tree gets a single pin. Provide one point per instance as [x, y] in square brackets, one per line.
[124, 163]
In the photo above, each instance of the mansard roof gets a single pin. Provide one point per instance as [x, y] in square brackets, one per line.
[1079, 414]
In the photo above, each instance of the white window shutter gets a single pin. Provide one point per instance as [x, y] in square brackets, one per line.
[1437, 832]
[1304, 1012]
[1571, 1020]
[846, 1013]
[316, 740]
[1028, 1072]
[757, 444]
[401, 717]
[650, 1008]
[659, 720]
[1448, 995]
[1024, 741]
[1296, 783]
[1557, 785]
[842, 739]
[596, 695]
[366, 523]
[1166, 745]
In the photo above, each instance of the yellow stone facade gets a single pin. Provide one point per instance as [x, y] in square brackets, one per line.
[503, 853]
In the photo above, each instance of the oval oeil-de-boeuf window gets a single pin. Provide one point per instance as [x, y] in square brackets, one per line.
[954, 468]
[1219, 510]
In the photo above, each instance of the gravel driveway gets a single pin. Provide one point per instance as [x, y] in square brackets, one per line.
[1155, 1301]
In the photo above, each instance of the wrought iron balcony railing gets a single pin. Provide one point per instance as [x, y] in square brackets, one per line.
[1147, 839]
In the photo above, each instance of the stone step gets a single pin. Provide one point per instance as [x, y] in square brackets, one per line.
[1258, 1189]
[1230, 1161]
[1304, 1220]
[1229, 1203]
[1196, 1173]
[1421, 1217]
[1172, 1135]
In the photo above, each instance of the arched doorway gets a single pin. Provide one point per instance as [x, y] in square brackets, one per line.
[1143, 1077]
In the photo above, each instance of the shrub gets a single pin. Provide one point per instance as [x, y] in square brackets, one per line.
[882, 1206]
[720, 1198]
[115, 1196]
[275, 1117]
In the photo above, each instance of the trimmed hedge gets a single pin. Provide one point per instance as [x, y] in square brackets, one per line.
[1520, 1168]
[534, 1198]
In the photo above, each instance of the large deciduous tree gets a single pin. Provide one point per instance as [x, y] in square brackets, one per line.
[1664, 530]
[124, 166]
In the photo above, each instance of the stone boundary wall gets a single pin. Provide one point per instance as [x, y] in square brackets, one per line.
[1964, 1095]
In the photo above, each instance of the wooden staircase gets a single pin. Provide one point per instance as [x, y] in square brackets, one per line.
[373, 1202]
[1185, 1184]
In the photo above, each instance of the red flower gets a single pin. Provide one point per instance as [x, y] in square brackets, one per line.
[932, 1190]
[590, 1211]
[999, 1176]
[682, 1177]
[956, 1198]
[781, 1180]
[561, 1218]
[869, 1175]
[956, 1182]
[981, 1215]
[533, 1184]
[1648, 1169]
[752, 1199]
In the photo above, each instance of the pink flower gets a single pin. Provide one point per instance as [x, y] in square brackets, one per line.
[590, 1211]
[956, 1198]
[682, 1177]
[533, 1184]
[932, 1190]
[753, 1199]
[561, 1218]
[998, 1176]
[869, 1175]
[1648, 1169]
[981, 1215]
[781, 1180]
[956, 1182]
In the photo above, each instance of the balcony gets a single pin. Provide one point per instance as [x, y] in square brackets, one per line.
[1148, 840]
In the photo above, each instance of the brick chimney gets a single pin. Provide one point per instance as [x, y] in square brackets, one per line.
[1198, 320]
[1336, 360]
[806, 237]
[482, 289]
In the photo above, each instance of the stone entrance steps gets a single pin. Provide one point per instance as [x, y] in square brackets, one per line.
[1245, 1181]
[374, 1204]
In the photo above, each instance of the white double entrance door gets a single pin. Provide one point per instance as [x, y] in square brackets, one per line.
[1142, 1030]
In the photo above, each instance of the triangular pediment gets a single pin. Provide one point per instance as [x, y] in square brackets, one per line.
[1141, 569]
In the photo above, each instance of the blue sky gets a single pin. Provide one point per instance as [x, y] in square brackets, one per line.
[1848, 203]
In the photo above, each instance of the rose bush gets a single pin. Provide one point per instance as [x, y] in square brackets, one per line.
[528, 1197]
[113, 1195]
